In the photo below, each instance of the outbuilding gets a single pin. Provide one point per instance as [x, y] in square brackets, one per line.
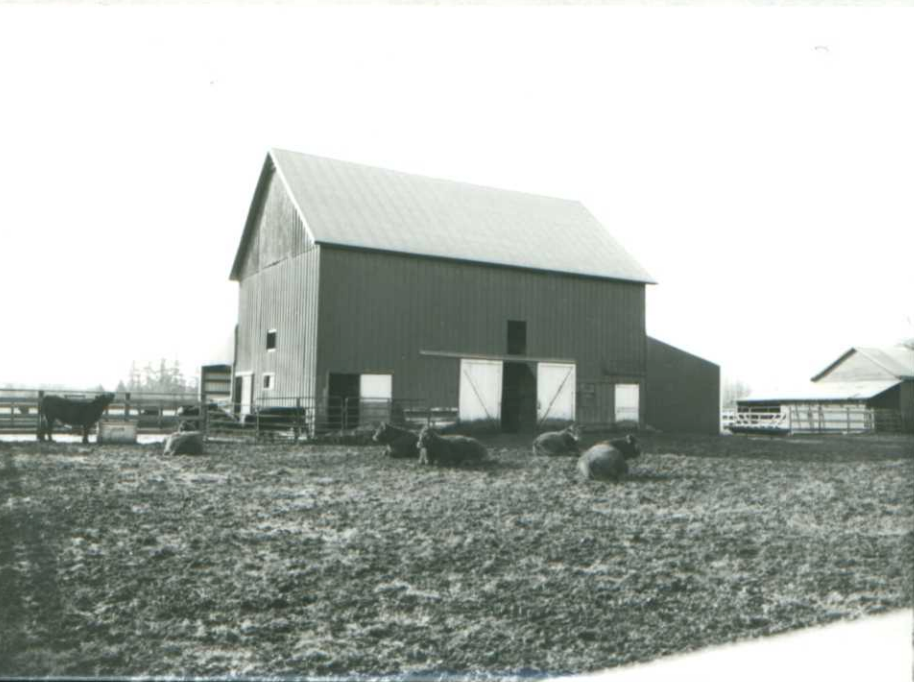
[866, 389]
[366, 293]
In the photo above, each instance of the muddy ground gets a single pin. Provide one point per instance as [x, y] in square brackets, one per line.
[330, 560]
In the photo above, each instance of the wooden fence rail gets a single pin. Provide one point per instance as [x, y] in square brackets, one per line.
[799, 419]
[295, 416]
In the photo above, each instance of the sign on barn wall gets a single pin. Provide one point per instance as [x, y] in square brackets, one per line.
[480, 390]
[627, 402]
[555, 391]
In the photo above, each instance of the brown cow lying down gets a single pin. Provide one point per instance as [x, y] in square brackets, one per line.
[82, 413]
[608, 461]
[400, 442]
[436, 449]
[564, 442]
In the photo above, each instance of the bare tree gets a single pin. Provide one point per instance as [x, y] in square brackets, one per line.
[733, 390]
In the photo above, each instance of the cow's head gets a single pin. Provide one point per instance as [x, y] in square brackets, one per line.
[380, 432]
[426, 436]
[573, 432]
[628, 446]
[104, 399]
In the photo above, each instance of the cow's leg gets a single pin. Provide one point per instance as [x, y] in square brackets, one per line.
[41, 421]
[49, 423]
[85, 433]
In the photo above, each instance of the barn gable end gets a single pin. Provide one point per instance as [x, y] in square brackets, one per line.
[862, 364]
[274, 230]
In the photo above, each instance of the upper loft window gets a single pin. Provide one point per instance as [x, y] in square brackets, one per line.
[517, 337]
[268, 381]
[271, 339]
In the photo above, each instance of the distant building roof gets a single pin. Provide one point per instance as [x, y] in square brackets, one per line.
[833, 391]
[896, 360]
[349, 204]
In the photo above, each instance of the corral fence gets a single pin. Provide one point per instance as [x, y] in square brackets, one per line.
[310, 417]
[805, 419]
[293, 417]
[151, 412]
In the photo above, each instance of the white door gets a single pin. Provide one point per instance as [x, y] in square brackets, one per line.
[375, 395]
[480, 390]
[627, 399]
[555, 390]
[247, 393]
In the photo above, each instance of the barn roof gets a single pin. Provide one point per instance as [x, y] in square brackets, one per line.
[833, 391]
[353, 205]
[896, 360]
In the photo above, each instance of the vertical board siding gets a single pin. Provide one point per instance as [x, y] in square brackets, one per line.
[683, 391]
[278, 233]
[378, 310]
[278, 290]
[282, 297]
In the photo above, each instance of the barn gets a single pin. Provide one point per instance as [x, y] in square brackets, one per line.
[866, 389]
[367, 293]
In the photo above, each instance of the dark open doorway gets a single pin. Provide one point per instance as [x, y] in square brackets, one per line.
[517, 337]
[236, 395]
[518, 397]
[343, 405]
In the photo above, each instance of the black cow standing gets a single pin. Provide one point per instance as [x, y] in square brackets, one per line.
[73, 412]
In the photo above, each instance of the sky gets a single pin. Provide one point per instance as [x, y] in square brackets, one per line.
[757, 162]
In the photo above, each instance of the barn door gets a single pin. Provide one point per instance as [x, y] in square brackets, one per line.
[375, 394]
[627, 402]
[555, 389]
[480, 390]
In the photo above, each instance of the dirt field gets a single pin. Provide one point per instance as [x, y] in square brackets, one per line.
[281, 560]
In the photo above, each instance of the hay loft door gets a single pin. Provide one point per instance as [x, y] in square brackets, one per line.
[555, 389]
[627, 402]
[480, 390]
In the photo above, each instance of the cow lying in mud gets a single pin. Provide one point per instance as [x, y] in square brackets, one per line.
[400, 442]
[608, 461]
[557, 443]
[83, 413]
[437, 449]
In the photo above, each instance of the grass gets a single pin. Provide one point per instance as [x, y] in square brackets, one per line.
[333, 560]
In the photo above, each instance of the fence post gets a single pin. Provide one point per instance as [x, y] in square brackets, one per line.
[298, 419]
[204, 413]
[40, 414]
[126, 405]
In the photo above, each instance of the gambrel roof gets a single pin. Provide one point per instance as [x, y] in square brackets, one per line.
[353, 205]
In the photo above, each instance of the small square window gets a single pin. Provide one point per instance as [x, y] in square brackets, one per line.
[271, 339]
[268, 381]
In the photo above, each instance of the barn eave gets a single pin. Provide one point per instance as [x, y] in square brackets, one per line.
[493, 264]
